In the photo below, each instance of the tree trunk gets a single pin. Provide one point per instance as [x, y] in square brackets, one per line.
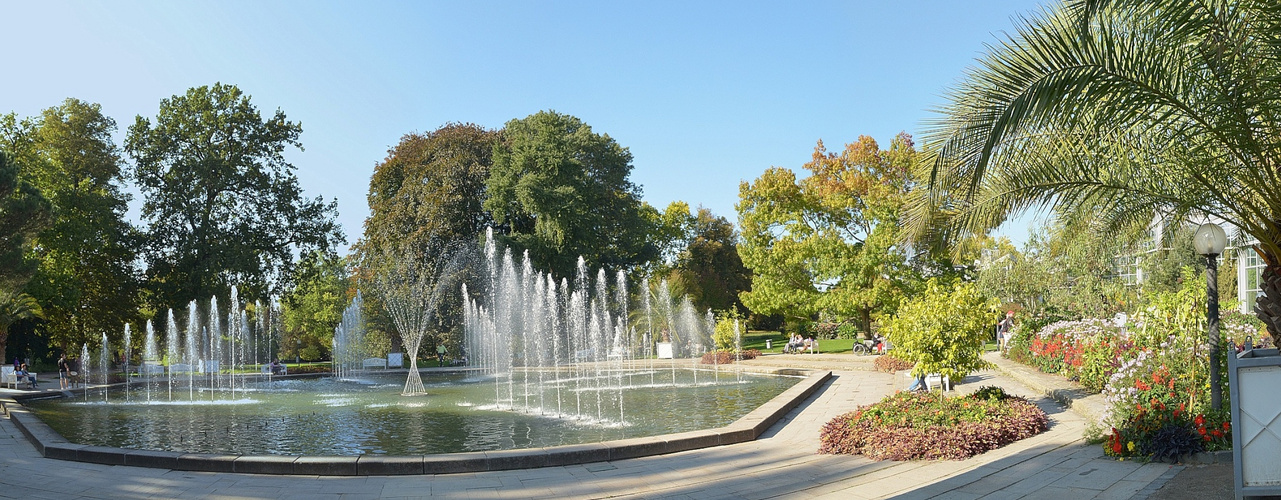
[4, 343]
[865, 323]
[1268, 305]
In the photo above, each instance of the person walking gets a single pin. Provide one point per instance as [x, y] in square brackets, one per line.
[440, 354]
[1003, 330]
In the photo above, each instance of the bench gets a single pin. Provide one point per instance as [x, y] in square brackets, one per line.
[147, 369]
[374, 362]
[266, 370]
[933, 380]
[181, 368]
[10, 378]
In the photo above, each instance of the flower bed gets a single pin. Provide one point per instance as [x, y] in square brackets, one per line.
[1151, 403]
[727, 357]
[911, 426]
[1086, 351]
[1155, 385]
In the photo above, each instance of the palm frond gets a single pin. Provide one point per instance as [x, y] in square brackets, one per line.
[1114, 112]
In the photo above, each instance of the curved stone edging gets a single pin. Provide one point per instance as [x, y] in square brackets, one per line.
[50, 444]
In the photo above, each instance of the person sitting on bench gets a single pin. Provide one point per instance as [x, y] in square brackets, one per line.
[22, 373]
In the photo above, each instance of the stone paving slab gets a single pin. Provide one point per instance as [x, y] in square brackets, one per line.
[782, 463]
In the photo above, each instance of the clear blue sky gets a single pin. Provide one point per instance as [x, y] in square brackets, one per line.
[704, 94]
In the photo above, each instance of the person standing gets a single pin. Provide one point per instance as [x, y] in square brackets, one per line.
[440, 354]
[1003, 330]
[64, 372]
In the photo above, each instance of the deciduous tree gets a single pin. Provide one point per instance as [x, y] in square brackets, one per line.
[314, 307]
[709, 268]
[942, 329]
[86, 282]
[826, 244]
[222, 205]
[562, 191]
[425, 198]
[23, 213]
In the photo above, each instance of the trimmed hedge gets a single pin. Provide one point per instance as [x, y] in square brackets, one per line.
[891, 364]
[913, 426]
[727, 357]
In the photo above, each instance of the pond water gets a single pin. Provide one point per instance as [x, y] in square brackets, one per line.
[368, 415]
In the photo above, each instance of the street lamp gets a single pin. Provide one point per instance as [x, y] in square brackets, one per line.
[1209, 241]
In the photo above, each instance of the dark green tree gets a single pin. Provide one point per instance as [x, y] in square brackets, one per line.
[562, 191]
[222, 205]
[23, 213]
[709, 268]
[430, 188]
[86, 282]
[425, 198]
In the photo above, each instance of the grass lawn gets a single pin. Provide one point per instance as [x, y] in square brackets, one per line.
[755, 339]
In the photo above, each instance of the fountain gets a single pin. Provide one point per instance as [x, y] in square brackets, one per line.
[411, 290]
[540, 342]
[349, 339]
[548, 362]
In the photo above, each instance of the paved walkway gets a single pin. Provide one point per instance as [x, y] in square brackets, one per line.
[783, 463]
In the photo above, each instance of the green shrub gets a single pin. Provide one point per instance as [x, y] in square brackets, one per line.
[727, 331]
[310, 353]
[826, 330]
[847, 331]
[911, 426]
[942, 329]
[990, 392]
[803, 328]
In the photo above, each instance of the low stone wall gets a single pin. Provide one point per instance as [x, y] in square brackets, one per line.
[52, 445]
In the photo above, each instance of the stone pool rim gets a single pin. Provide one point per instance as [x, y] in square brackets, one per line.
[51, 444]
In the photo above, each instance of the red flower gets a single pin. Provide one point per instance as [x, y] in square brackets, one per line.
[1199, 420]
[1141, 385]
[1227, 427]
[1217, 433]
[1201, 430]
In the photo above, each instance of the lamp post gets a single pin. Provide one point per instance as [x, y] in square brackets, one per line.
[1209, 241]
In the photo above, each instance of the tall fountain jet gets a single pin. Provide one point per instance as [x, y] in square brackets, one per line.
[411, 290]
[574, 344]
[349, 339]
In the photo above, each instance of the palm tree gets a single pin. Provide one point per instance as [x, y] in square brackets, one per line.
[14, 308]
[1113, 112]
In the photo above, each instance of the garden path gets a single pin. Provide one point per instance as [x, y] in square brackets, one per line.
[783, 463]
